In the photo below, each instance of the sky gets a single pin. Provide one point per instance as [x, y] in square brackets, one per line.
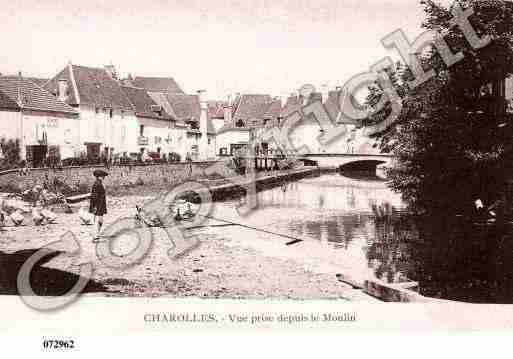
[221, 46]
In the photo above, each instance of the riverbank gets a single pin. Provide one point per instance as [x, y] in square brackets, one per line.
[221, 267]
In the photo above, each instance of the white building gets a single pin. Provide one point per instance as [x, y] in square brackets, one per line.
[43, 124]
[107, 124]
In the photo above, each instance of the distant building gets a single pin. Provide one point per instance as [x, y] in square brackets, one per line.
[248, 113]
[41, 122]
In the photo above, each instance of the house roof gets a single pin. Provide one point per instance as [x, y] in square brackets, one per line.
[38, 81]
[92, 86]
[274, 110]
[157, 84]
[216, 109]
[292, 105]
[143, 103]
[161, 99]
[7, 103]
[251, 106]
[185, 107]
[26, 94]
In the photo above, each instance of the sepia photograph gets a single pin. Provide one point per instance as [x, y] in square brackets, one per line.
[287, 162]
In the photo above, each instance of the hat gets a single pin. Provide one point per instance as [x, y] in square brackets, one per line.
[100, 173]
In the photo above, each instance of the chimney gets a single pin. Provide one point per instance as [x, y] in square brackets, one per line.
[63, 90]
[283, 100]
[227, 111]
[111, 70]
[203, 125]
[325, 93]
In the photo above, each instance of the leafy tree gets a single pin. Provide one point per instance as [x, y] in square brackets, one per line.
[452, 139]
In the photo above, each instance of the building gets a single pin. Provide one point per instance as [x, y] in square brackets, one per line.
[108, 125]
[248, 113]
[43, 124]
[306, 136]
[156, 135]
[189, 113]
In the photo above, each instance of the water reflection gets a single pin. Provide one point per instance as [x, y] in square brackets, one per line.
[449, 257]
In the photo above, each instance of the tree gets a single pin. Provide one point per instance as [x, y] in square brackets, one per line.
[10, 150]
[452, 139]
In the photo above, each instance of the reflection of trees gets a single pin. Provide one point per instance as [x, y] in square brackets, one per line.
[450, 257]
[338, 230]
[388, 254]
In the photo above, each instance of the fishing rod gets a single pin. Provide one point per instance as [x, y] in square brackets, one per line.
[294, 240]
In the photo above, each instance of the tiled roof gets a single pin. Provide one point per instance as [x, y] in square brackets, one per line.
[7, 103]
[143, 103]
[27, 94]
[292, 105]
[38, 81]
[185, 107]
[94, 86]
[157, 84]
[251, 106]
[216, 109]
[274, 110]
[161, 99]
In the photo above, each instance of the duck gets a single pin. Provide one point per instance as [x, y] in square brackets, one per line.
[189, 213]
[85, 217]
[178, 216]
[17, 218]
[37, 217]
[49, 215]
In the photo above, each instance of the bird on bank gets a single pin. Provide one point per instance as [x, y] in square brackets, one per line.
[50, 216]
[178, 216]
[17, 218]
[189, 213]
[85, 217]
[37, 217]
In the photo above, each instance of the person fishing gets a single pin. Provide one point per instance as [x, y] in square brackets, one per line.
[98, 203]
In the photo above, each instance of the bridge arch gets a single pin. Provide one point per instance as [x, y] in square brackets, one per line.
[347, 161]
[362, 165]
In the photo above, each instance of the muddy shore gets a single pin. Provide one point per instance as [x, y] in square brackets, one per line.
[228, 263]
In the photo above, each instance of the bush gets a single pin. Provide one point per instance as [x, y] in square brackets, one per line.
[10, 150]
[174, 157]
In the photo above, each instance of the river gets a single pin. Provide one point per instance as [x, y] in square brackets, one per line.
[365, 223]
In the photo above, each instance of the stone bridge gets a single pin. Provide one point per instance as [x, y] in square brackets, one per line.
[348, 161]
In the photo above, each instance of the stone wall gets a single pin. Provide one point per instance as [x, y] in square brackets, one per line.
[124, 175]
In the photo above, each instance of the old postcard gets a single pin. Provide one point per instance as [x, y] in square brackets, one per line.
[255, 165]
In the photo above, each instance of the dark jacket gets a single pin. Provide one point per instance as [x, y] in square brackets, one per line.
[98, 204]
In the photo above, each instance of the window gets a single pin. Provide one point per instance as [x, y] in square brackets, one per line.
[223, 151]
[111, 113]
[209, 141]
[97, 110]
[141, 130]
[239, 123]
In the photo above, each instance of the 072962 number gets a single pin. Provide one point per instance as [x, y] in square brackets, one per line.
[58, 344]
